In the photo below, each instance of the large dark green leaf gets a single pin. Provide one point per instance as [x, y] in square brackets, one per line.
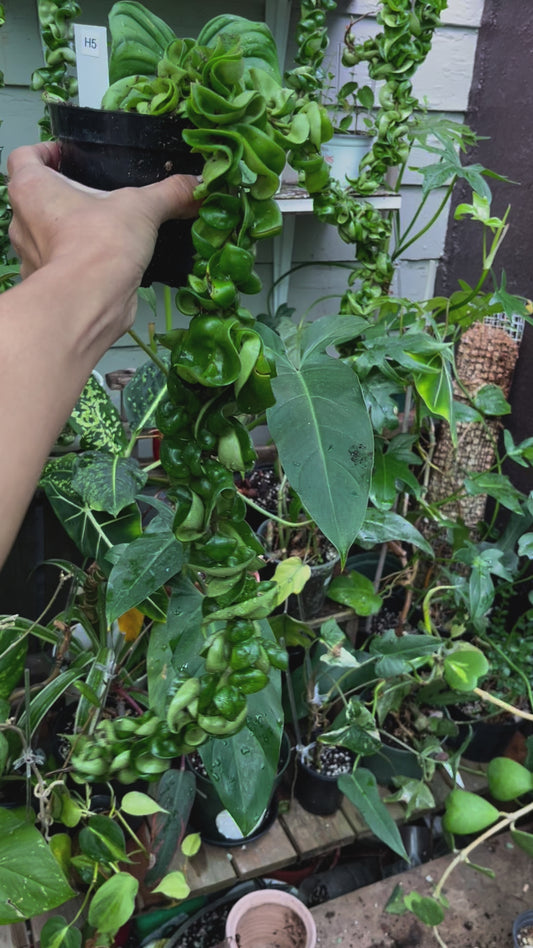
[107, 482]
[324, 439]
[96, 419]
[93, 532]
[362, 790]
[175, 794]
[174, 646]
[141, 568]
[31, 881]
[103, 840]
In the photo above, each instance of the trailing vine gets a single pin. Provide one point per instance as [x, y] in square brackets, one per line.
[54, 79]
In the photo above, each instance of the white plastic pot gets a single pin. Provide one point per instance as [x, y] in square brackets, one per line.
[344, 152]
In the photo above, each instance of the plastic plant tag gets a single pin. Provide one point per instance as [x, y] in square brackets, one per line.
[91, 61]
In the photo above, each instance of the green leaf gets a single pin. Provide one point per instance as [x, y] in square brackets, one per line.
[491, 401]
[523, 839]
[93, 532]
[525, 545]
[103, 840]
[106, 482]
[497, 486]
[13, 650]
[324, 439]
[175, 795]
[140, 568]
[396, 903]
[507, 779]
[191, 844]
[357, 591]
[464, 666]
[436, 390]
[97, 421]
[139, 804]
[58, 933]
[362, 790]
[427, 909]
[291, 576]
[142, 392]
[48, 695]
[467, 813]
[31, 881]
[174, 886]
[113, 903]
[381, 526]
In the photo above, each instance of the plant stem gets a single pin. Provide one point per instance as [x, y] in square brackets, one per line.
[486, 696]
[168, 308]
[271, 516]
[146, 349]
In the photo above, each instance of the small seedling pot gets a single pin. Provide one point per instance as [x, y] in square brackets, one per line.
[270, 917]
[110, 150]
[344, 153]
[523, 930]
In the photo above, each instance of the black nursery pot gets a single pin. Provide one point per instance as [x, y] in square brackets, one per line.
[109, 150]
[317, 792]
[523, 930]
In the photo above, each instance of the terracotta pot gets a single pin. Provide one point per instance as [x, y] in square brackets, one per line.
[269, 917]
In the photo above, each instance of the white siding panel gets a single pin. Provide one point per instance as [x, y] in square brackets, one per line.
[446, 76]
[20, 110]
[459, 12]
[20, 44]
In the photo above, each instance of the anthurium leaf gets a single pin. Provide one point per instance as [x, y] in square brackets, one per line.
[97, 421]
[31, 881]
[463, 666]
[58, 933]
[174, 886]
[362, 790]
[107, 482]
[13, 650]
[497, 486]
[380, 526]
[467, 813]
[324, 438]
[103, 840]
[508, 779]
[175, 796]
[140, 568]
[93, 532]
[427, 909]
[357, 591]
[140, 804]
[113, 903]
[141, 394]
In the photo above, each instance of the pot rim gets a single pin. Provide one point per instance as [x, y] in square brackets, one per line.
[270, 896]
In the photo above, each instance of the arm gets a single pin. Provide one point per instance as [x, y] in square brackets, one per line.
[83, 254]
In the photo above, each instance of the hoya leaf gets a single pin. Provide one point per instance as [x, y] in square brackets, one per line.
[463, 666]
[467, 813]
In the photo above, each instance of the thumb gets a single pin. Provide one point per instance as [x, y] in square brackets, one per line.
[172, 198]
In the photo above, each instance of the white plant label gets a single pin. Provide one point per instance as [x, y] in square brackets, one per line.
[91, 60]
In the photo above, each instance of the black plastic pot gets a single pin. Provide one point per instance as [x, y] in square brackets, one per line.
[392, 762]
[488, 738]
[109, 150]
[208, 808]
[317, 793]
[523, 929]
[307, 604]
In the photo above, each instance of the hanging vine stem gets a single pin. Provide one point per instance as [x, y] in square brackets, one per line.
[57, 32]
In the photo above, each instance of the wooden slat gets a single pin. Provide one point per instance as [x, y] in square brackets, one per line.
[271, 852]
[14, 936]
[210, 869]
[311, 834]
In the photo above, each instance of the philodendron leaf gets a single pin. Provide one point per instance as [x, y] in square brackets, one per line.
[463, 666]
[58, 933]
[191, 844]
[141, 567]
[96, 419]
[107, 482]
[140, 804]
[356, 591]
[103, 840]
[380, 526]
[174, 886]
[508, 779]
[31, 881]
[362, 790]
[114, 903]
[324, 438]
[467, 813]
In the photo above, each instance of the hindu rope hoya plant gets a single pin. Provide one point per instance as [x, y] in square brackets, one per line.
[179, 572]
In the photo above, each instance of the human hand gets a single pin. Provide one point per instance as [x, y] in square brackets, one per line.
[55, 218]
